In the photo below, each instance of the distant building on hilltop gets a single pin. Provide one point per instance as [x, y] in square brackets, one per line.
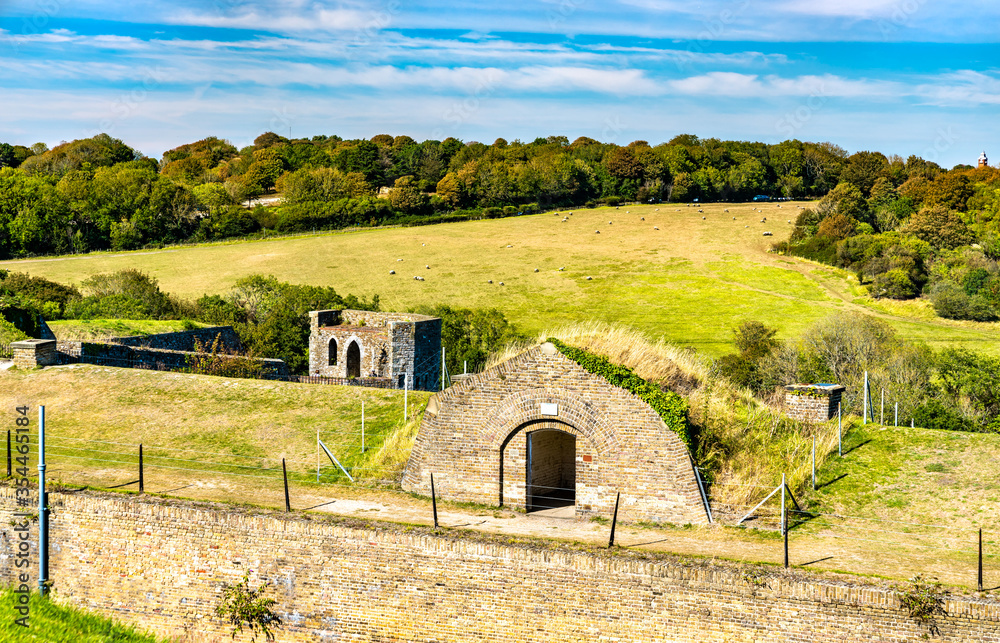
[983, 161]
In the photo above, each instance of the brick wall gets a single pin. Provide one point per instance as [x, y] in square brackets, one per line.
[161, 564]
[475, 442]
[811, 402]
[185, 340]
[152, 358]
[32, 353]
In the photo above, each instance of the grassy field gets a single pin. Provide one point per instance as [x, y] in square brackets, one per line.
[53, 622]
[97, 417]
[688, 282]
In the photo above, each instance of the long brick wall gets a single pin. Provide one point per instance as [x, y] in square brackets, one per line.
[161, 564]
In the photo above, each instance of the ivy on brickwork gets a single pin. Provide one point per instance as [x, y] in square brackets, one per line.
[673, 410]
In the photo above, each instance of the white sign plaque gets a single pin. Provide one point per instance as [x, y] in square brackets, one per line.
[550, 409]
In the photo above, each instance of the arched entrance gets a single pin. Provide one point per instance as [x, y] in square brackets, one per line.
[333, 352]
[550, 474]
[353, 360]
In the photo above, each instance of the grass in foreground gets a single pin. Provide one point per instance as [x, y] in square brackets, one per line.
[689, 282]
[53, 622]
[240, 426]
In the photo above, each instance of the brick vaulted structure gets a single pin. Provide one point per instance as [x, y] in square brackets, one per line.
[539, 431]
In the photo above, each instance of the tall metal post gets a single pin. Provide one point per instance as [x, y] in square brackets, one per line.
[864, 409]
[784, 518]
[895, 417]
[980, 559]
[362, 426]
[10, 461]
[43, 509]
[317, 455]
[881, 410]
[142, 485]
[406, 388]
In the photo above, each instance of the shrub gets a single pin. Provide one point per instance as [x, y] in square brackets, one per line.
[243, 606]
[949, 300]
[895, 284]
[933, 414]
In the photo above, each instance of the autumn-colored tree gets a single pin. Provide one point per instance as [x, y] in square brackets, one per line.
[939, 227]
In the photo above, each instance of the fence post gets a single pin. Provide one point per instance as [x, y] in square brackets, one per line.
[406, 385]
[814, 463]
[317, 456]
[434, 502]
[614, 521]
[284, 474]
[881, 410]
[864, 409]
[895, 417]
[362, 426]
[10, 462]
[840, 450]
[784, 518]
[142, 485]
[980, 559]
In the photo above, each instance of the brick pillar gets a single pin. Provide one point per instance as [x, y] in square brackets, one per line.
[812, 402]
[32, 353]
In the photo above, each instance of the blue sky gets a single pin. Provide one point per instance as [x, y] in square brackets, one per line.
[901, 76]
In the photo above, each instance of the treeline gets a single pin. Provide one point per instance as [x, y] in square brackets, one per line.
[271, 317]
[911, 229]
[99, 193]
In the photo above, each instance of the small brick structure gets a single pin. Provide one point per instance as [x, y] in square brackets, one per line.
[374, 345]
[539, 430]
[32, 353]
[812, 402]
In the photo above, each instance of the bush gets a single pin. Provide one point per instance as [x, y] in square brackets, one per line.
[949, 300]
[895, 284]
[933, 414]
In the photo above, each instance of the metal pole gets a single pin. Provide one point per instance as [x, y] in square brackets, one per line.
[141, 480]
[10, 461]
[864, 410]
[406, 386]
[465, 367]
[784, 518]
[317, 455]
[895, 417]
[434, 502]
[814, 463]
[980, 559]
[614, 521]
[840, 450]
[284, 473]
[881, 410]
[362, 426]
[43, 510]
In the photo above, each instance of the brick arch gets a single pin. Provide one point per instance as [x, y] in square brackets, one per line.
[524, 407]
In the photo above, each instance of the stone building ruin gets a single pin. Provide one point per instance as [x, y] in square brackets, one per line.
[397, 348]
[539, 431]
[813, 402]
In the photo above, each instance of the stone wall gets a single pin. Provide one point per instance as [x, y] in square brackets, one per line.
[473, 438]
[186, 340]
[32, 353]
[161, 564]
[391, 345]
[148, 358]
[812, 402]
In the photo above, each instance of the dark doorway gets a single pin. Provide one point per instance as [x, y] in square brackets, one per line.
[353, 360]
[333, 352]
[551, 469]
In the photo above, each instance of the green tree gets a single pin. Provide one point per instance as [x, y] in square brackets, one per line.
[940, 228]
